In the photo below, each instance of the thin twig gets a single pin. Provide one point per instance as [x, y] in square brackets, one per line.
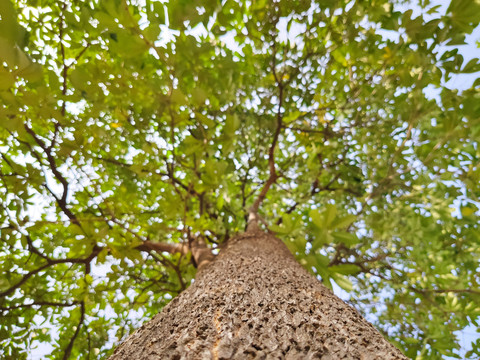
[69, 347]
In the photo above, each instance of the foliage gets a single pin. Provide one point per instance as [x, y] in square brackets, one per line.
[126, 123]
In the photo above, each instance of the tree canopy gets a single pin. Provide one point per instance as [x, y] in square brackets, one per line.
[132, 130]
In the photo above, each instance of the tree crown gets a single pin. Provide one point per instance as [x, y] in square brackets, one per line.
[134, 132]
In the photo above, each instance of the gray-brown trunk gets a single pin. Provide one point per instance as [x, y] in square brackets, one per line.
[254, 301]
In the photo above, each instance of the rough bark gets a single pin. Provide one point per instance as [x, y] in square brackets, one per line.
[254, 301]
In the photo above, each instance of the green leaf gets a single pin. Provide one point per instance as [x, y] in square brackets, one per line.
[465, 14]
[79, 77]
[13, 123]
[32, 73]
[105, 21]
[326, 279]
[317, 219]
[177, 96]
[9, 28]
[279, 229]
[322, 237]
[472, 66]
[127, 45]
[199, 95]
[341, 222]
[7, 79]
[102, 255]
[231, 125]
[345, 269]
[342, 281]
[330, 214]
[322, 260]
[296, 245]
[468, 210]
[346, 238]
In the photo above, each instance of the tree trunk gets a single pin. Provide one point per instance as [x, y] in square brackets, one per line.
[255, 301]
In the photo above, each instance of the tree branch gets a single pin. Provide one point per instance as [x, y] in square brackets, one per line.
[160, 247]
[253, 211]
[62, 202]
[201, 253]
[50, 262]
[69, 347]
[38, 303]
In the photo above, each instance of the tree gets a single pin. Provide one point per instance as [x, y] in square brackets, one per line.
[256, 301]
[138, 137]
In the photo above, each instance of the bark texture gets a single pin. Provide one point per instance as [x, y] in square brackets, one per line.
[254, 301]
